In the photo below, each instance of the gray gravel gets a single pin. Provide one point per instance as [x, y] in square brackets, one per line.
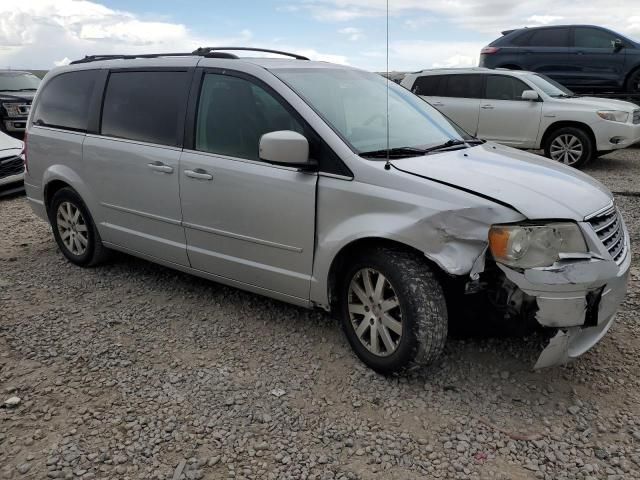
[134, 371]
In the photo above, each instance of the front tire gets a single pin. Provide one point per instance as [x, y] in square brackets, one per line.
[74, 229]
[571, 146]
[393, 310]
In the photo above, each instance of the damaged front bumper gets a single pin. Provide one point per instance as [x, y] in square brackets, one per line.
[578, 297]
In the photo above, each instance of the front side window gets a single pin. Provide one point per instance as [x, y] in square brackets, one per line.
[18, 82]
[233, 113]
[502, 87]
[354, 104]
[65, 101]
[145, 106]
[593, 38]
[549, 37]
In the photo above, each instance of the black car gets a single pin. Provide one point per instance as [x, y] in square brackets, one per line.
[581, 57]
[17, 90]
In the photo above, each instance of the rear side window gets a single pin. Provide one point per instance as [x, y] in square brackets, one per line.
[593, 38]
[501, 87]
[463, 86]
[233, 113]
[145, 106]
[429, 86]
[65, 101]
[549, 37]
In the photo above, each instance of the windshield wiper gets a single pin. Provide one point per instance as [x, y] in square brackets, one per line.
[445, 145]
[564, 95]
[398, 152]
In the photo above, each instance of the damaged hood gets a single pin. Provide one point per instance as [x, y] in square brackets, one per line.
[535, 186]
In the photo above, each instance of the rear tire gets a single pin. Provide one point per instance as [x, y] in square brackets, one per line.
[397, 318]
[571, 146]
[74, 229]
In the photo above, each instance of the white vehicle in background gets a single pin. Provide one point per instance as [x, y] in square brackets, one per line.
[11, 165]
[528, 110]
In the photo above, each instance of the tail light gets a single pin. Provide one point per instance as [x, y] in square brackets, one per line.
[489, 50]
[23, 154]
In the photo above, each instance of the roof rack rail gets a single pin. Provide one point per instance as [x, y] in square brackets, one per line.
[210, 51]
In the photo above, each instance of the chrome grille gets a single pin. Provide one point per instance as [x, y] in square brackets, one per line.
[608, 227]
[636, 116]
[11, 166]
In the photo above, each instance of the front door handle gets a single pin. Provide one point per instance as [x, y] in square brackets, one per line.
[198, 173]
[437, 104]
[488, 107]
[160, 167]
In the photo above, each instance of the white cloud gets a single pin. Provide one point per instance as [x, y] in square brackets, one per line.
[409, 56]
[352, 33]
[44, 33]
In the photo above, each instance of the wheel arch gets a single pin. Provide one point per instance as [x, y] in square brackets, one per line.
[633, 70]
[568, 123]
[61, 176]
[341, 261]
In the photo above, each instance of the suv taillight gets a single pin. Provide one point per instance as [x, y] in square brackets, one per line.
[23, 154]
[489, 50]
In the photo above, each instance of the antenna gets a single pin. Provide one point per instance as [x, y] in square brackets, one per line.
[387, 164]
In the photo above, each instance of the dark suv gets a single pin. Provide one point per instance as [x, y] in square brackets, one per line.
[16, 93]
[581, 57]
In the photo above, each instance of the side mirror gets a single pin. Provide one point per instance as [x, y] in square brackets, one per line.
[530, 96]
[617, 45]
[285, 147]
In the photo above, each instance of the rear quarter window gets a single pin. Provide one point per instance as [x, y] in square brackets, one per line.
[148, 106]
[65, 101]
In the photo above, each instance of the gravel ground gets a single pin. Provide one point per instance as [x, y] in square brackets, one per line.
[135, 371]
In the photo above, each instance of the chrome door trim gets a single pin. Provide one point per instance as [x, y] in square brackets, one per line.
[246, 238]
[141, 214]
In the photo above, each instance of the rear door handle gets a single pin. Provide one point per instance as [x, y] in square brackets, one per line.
[487, 107]
[160, 167]
[198, 173]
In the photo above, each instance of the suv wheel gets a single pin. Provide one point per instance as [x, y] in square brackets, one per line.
[633, 82]
[74, 230]
[393, 310]
[569, 145]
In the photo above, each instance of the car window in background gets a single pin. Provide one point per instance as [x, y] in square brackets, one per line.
[549, 37]
[354, 104]
[502, 87]
[234, 113]
[65, 100]
[17, 82]
[463, 86]
[429, 85]
[593, 38]
[522, 39]
[549, 86]
[144, 106]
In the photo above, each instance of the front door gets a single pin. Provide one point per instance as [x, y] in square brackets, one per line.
[245, 219]
[132, 166]
[504, 116]
[594, 62]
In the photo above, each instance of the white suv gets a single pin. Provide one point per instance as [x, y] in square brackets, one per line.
[528, 110]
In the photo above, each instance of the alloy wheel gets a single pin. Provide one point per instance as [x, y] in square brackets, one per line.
[374, 310]
[72, 228]
[567, 149]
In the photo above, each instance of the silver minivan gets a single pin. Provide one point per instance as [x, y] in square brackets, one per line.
[326, 187]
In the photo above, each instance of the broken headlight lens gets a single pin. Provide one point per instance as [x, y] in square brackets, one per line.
[528, 246]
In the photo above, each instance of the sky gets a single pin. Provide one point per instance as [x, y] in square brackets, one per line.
[40, 34]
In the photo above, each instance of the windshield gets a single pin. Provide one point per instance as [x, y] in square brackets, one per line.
[354, 104]
[14, 82]
[548, 86]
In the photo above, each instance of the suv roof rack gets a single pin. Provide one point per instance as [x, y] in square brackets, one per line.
[207, 52]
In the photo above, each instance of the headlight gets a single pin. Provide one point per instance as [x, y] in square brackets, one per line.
[614, 115]
[528, 246]
[13, 109]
